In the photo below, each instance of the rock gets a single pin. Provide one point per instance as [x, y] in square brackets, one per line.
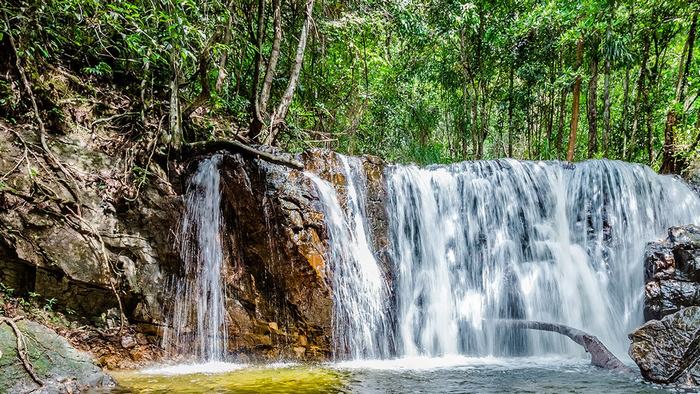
[274, 237]
[668, 350]
[672, 272]
[128, 342]
[299, 351]
[55, 361]
[41, 252]
[141, 339]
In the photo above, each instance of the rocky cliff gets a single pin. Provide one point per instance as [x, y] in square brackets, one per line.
[99, 245]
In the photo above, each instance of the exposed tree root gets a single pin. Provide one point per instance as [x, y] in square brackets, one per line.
[238, 147]
[600, 355]
[101, 253]
[22, 348]
[50, 158]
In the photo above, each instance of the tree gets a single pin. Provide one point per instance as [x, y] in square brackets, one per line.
[670, 161]
[575, 102]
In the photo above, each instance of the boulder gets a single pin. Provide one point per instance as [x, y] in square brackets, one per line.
[672, 272]
[61, 367]
[668, 350]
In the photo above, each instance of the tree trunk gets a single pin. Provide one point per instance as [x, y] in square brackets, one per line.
[625, 111]
[175, 113]
[510, 110]
[560, 126]
[638, 100]
[592, 103]
[256, 124]
[600, 355]
[274, 56]
[575, 102]
[606, 109]
[222, 74]
[670, 162]
[281, 112]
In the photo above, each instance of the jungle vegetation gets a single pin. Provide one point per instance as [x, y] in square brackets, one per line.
[425, 81]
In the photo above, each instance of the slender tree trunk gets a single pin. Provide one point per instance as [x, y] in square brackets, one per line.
[281, 112]
[474, 114]
[528, 127]
[510, 110]
[274, 57]
[560, 125]
[592, 103]
[606, 109]
[175, 111]
[256, 124]
[575, 102]
[222, 74]
[640, 95]
[670, 161]
[625, 111]
[550, 111]
[464, 126]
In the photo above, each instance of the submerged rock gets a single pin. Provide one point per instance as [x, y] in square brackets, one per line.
[60, 366]
[668, 350]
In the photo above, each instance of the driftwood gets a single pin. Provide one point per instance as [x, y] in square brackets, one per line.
[238, 147]
[600, 355]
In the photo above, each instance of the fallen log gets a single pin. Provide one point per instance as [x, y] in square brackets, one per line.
[239, 147]
[600, 355]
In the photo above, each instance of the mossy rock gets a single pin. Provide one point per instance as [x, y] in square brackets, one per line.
[55, 361]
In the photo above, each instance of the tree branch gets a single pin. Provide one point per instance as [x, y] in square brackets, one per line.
[238, 147]
[600, 355]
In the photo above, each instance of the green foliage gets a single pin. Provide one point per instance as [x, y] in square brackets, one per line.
[50, 303]
[425, 81]
[6, 291]
[102, 69]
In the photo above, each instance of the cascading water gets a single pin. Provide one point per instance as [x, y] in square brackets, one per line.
[360, 291]
[198, 318]
[478, 241]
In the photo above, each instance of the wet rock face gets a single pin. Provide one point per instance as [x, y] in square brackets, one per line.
[274, 246]
[672, 272]
[278, 283]
[668, 350]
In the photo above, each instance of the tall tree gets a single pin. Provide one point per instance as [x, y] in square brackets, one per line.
[670, 161]
[592, 102]
[575, 101]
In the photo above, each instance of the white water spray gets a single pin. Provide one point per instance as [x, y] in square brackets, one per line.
[199, 313]
[360, 291]
[478, 241]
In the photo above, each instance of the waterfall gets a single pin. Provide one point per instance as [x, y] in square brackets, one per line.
[477, 241]
[198, 318]
[360, 291]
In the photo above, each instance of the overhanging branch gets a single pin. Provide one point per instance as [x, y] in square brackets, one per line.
[600, 355]
[238, 147]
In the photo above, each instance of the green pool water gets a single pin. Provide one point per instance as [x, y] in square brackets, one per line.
[305, 379]
[457, 375]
